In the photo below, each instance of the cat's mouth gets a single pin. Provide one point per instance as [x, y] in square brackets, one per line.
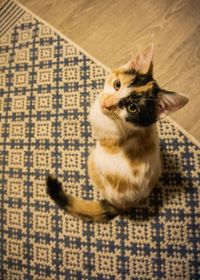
[112, 114]
[107, 112]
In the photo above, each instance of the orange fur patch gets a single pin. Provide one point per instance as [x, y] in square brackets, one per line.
[88, 208]
[144, 88]
[119, 183]
[109, 146]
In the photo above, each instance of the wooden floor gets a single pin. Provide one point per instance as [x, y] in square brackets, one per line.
[114, 30]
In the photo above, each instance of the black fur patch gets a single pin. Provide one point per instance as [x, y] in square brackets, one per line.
[55, 191]
[109, 210]
[141, 80]
[146, 116]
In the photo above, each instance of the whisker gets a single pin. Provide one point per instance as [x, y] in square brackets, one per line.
[119, 120]
[108, 113]
[113, 116]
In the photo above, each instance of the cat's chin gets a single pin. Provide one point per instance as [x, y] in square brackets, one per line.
[103, 126]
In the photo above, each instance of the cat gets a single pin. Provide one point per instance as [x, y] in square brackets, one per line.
[125, 163]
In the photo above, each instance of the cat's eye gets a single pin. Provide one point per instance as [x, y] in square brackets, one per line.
[117, 84]
[132, 108]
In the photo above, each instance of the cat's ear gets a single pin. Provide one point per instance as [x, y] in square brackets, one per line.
[169, 102]
[142, 63]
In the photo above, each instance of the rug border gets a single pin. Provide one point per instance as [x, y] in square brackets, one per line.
[179, 127]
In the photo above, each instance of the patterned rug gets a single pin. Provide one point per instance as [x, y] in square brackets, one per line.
[47, 84]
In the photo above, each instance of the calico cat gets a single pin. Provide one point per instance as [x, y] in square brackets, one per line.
[125, 162]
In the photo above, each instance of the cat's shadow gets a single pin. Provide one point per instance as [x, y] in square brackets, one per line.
[168, 190]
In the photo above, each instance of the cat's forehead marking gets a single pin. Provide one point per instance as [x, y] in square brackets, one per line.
[143, 89]
[125, 76]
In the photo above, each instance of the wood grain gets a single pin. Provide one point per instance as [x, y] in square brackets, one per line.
[114, 30]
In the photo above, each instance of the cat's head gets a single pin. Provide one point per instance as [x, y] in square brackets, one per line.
[133, 97]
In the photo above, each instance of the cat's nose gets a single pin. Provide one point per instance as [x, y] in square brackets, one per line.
[105, 105]
[108, 103]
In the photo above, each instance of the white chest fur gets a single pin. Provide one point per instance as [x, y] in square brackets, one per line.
[111, 163]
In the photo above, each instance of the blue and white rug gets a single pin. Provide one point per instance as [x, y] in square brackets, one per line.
[47, 85]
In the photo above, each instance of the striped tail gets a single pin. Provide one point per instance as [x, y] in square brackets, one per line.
[99, 211]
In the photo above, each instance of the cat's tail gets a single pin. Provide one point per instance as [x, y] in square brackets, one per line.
[100, 211]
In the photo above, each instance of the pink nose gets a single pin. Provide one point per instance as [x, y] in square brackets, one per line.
[105, 104]
[108, 102]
